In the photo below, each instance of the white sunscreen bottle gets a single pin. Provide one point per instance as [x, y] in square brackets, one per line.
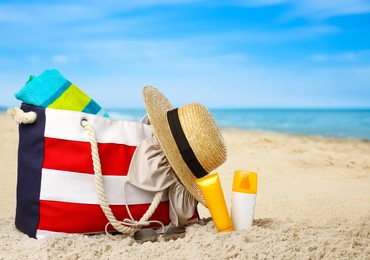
[243, 199]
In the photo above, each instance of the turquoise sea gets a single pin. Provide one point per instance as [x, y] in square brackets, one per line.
[344, 123]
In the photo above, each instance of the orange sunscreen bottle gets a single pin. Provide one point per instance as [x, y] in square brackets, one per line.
[243, 199]
[211, 189]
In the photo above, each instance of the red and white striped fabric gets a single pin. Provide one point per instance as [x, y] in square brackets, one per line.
[56, 193]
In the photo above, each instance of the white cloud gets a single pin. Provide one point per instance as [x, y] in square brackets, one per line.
[69, 11]
[60, 58]
[85, 10]
[258, 3]
[44, 12]
[267, 36]
[33, 59]
[348, 56]
[318, 9]
[319, 57]
[311, 9]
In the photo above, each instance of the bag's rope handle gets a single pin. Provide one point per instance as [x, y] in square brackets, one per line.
[21, 117]
[118, 225]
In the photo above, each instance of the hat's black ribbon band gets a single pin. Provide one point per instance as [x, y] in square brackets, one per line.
[183, 145]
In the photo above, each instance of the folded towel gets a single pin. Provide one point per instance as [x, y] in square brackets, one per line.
[52, 90]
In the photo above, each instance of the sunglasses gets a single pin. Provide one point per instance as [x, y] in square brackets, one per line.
[150, 234]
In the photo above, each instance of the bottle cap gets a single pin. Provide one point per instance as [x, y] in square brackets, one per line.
[245, 182]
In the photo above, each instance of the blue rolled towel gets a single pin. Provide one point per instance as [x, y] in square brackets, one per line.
[52, 90]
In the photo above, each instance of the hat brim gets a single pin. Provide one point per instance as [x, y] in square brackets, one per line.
[157, 106]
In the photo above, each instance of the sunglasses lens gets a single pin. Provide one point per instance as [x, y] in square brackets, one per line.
[173, 233]
[145, 235]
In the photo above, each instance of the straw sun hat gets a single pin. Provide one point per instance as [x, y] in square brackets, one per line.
[190, 129]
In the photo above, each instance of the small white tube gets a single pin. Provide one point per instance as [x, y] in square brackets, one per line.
[243, 199]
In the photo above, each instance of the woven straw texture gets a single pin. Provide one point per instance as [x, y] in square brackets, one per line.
[200, 130]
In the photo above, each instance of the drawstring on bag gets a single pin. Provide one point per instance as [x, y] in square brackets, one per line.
[21, 117]
[128, 226]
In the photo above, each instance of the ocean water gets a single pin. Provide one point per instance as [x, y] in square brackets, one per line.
[344, 123]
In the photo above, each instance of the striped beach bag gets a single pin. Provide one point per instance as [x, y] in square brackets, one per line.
[72, 167]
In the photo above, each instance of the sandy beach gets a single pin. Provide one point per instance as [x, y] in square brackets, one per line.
[313, 202]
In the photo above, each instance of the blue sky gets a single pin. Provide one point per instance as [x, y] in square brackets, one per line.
[266, 53]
